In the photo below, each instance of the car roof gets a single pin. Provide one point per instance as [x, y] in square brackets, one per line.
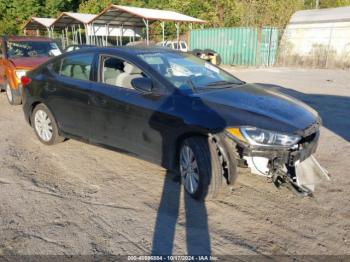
[82, 45]
[28, 38]
[135, 50]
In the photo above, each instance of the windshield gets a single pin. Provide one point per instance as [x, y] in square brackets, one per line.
[187, 71]
[17, 49]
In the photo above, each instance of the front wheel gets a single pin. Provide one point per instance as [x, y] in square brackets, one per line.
[200, 169]
[45, 125]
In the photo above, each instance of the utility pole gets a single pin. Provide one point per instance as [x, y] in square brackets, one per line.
[317, 4]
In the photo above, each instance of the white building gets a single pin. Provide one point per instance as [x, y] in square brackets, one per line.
[322, 34]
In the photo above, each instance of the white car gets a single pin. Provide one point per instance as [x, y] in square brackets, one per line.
[181, 45]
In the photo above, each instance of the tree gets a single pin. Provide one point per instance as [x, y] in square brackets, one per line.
[96, 6]
[53, 7]
[311, 4]
[268, 12]
[218, 13]
[333, 3]
[15, 13]
[93, 6]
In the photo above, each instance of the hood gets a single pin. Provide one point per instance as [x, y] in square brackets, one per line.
[28, 62]
[253, 105]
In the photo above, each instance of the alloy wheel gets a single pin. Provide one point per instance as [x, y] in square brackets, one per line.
[189, 169]
[43, 125]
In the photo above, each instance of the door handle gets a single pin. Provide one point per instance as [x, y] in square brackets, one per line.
[98, 100]
[49, 88]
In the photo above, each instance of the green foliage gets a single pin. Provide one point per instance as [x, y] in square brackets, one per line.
[14, 13]
[268, 12]
[218, 13]
[96, 6]
[311, 4]
[333, 3]
[93, 6]
[53, 7]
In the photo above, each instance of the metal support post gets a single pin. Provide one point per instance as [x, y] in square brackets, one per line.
[177, 25]
[162, 24]
[146, 22]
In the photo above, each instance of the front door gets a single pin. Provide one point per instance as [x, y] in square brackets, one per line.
[124, 117]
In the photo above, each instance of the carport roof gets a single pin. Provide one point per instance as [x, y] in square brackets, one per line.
[329, 15]
[135, 16]
[71, 19]
[35, 23]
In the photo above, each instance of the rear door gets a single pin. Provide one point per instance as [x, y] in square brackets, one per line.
[67, 93]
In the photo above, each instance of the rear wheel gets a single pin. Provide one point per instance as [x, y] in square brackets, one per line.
[45, 126]
[200, 169]
[11, 96]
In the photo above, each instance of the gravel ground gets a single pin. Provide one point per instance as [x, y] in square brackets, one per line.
[74, 198]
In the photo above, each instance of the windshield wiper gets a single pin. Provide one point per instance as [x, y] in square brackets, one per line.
[222, 83]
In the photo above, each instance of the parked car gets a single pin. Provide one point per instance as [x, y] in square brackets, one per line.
[17, 56]
[181, 45]
[71, 48]
[176, 110]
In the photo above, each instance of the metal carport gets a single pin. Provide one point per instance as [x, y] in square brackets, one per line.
[136, 17]
[39, 23]
[76, 22]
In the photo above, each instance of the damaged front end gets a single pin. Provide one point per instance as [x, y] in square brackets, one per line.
[286, 159]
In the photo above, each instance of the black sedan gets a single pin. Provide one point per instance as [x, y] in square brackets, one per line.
[176, 110]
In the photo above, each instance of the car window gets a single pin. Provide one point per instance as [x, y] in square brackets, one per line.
[17, 49]
[186, 71]
[118, 72]
[70, 49]
[77, 66]
[55, 66]
[183, 45]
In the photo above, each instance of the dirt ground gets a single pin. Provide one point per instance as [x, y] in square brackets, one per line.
[75, 198]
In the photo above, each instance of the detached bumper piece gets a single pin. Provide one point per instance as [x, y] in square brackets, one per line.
[302, 177]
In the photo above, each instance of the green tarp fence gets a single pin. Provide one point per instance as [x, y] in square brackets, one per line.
[244, 46]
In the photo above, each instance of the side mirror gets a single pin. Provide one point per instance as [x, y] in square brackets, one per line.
[143, 84]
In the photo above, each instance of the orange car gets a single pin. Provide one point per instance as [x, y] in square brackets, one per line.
[19, 54]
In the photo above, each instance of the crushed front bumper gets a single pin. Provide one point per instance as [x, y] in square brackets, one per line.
[289, 156]
[293, 167]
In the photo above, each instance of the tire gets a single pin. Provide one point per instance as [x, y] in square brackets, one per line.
[218, 60]
[197, 52]
[209, 52]
[12, 97]
[45, 126]
[206, 164]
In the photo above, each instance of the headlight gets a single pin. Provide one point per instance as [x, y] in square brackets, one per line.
[261, 137]
[20, 73]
